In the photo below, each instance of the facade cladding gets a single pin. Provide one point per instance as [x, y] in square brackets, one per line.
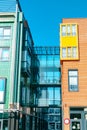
[74, 73]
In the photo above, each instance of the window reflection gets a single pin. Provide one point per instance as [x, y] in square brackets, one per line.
[50, 60]
[48, 96]
[49, 72]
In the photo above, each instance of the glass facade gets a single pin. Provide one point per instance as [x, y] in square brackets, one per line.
[49, 69]
[47, 93]
[47, 96]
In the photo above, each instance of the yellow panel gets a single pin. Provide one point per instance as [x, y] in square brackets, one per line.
[69, 41]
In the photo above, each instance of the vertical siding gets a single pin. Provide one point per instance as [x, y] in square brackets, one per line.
[79, 98]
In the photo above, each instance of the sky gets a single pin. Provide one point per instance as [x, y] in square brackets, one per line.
[45, 16]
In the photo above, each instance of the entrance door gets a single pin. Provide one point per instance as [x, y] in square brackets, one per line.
[76, 125]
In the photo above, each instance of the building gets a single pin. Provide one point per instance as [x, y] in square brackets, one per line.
[73, 55]
[47, 93]
[16, 45]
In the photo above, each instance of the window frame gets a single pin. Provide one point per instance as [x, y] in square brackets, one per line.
[69, 30]
[64, 54]
[74, 52]
[69, 88]
[4, 36]
[4, 96]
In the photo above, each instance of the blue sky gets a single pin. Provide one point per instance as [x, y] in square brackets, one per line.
[44, 17]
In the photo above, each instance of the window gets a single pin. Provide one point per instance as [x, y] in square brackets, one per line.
[73, 80]
[69, 52]
[64, 52]
[4, 54]
[2, 89]
[68, 30]
[49, 96]
[73, 30]
[74, 53]
[63, 30]
[5, 32]
[23, 95]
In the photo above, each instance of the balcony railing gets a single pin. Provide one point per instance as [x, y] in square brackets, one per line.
[50, 81]
[48, 102]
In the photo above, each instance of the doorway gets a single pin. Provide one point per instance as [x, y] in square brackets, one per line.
[76, 119]
[3, 124]
[76, 125]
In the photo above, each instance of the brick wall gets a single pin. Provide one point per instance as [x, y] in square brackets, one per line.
[76, 99]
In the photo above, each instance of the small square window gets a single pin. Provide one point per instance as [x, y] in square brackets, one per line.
[4, 54]
[5, 32]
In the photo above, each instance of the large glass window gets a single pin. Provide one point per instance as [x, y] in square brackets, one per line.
[5, 32]
[50, 60]
[4, 54]
[49, 69]
[48, 96]
[73, 80]
[2, 89]
[42, 60]
[56, 60]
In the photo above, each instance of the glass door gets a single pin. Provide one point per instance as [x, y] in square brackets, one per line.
[76, 125]
[5, 124]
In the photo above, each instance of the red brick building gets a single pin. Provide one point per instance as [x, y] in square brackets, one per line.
[73, 56]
